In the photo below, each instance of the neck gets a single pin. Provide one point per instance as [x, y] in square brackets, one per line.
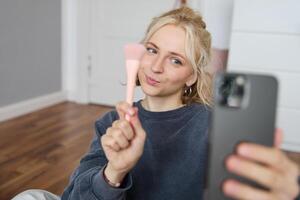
[159, 104]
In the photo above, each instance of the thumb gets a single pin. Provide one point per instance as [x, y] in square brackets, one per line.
[278, 138]
[136, 124]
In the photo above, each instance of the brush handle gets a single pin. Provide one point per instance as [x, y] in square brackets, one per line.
[132, 67]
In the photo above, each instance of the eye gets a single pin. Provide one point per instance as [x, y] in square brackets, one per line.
[176, 61]
[151, 50]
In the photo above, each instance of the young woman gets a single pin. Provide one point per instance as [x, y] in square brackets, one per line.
[162, 152]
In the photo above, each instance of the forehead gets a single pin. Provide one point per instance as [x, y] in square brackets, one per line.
[170, 38]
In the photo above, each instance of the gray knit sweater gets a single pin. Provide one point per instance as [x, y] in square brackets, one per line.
[172, 165]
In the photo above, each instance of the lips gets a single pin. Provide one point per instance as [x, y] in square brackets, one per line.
[151, 81]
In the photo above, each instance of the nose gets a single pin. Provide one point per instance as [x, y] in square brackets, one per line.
[157, 65]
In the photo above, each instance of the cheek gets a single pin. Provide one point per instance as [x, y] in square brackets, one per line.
[146, 61]
[179, 76]
[140, 74]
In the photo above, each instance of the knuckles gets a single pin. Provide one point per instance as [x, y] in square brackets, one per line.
[123, 124]
[278, 157]
[122, 105]
[118, 134]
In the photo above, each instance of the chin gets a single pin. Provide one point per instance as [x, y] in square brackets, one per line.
[151, 91]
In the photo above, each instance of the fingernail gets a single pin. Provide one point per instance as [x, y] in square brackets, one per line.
[244, 150]
[233, 162]
[230, 187]
[130, 111]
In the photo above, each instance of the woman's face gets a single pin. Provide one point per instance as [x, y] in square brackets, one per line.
[165, 69]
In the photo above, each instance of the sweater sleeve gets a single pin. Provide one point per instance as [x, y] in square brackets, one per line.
[87, 181]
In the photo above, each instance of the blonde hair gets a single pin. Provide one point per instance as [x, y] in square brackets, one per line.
[198, 49]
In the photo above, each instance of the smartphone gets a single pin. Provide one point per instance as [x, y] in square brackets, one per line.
[244, 111]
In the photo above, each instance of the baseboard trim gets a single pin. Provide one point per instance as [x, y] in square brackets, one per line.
[31, 105]
[71, 96]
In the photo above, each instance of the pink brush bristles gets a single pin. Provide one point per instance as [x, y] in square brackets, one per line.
[134, 51]
[133, 54]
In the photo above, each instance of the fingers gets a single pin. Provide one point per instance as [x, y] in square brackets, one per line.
[115, 139]
[124, 108]
[120, 138]
[110, 142]
[267, 166]
[278, 138]
[239, 190]
[261, 174]
[266, 155]
[119, 135]
[124, 127]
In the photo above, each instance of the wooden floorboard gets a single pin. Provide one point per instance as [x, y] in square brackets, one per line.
[41, 149]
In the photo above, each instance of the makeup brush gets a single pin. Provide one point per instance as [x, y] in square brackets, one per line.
[133, 54]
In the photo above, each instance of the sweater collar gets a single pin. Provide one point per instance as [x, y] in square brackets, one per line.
[164, 114]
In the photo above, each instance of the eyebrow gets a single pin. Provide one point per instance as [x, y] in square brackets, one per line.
[173, 53]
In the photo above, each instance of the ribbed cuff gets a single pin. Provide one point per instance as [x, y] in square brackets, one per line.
[103, 190]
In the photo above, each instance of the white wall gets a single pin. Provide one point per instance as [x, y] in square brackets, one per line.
[218, 17]
[266, 39]
[69, 47]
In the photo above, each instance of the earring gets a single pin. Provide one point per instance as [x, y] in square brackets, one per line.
[188, 91]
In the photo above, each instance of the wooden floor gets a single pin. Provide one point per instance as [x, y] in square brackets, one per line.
[40, 150]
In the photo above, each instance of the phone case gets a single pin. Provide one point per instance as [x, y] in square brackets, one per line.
[253, 122]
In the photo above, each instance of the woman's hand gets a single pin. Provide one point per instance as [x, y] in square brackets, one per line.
[268, 166]
[123, 143]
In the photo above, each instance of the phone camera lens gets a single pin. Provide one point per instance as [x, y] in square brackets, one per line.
[230, 92]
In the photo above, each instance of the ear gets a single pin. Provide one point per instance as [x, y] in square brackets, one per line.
[191, 80]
